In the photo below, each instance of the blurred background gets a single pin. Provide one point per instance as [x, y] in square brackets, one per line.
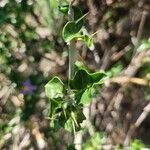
[32, 51]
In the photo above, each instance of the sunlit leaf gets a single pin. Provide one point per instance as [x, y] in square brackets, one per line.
[63, 9]
[70, 31]
[88, 41]
[86, 97]
[68, 125]
[54, 88]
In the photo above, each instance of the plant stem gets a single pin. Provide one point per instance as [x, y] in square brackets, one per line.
[72, 51]
[81, 17]
[72, 58]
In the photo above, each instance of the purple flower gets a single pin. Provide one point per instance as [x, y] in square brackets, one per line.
[28, 88]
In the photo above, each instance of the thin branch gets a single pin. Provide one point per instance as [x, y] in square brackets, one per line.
[72, 50]
[138, 122]
[125, 80]
[141, 26]
[140, 30]
[82, 17]
[117, 56]
[135, 64]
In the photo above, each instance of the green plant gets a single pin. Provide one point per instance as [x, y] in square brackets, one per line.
[137, 145]
[67, 102]
[94, 142]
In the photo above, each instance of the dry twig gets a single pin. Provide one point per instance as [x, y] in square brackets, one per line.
[125, 80]
[138, 122]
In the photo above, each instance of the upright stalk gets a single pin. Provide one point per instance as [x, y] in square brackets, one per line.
[72, 59]
[72, 51]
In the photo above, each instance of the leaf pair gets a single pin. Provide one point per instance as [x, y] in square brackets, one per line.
[82, 81]
[71, 30]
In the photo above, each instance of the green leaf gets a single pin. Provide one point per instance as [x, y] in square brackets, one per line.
[88, 41]
[55, 106]
[70, 31]
[75, 119]
[97, 77]
[63, 9]
[80, 80]
[54, 88]
[77, 14]
[58, 122]
[68, 125]
[87, 96]
[79, 114]
[83, 79]
[71, 147]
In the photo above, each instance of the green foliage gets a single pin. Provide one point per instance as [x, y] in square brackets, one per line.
[94, 142]
[54, 88]
[88, 41]
[72, 29]
[28, 34]
[115, 69]
[137, 145]
[63, 9]
[71, 147]
[66, 105]
[87, 95]
[6, 126]
[145, 45]
[77, 15]
[83, 79]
